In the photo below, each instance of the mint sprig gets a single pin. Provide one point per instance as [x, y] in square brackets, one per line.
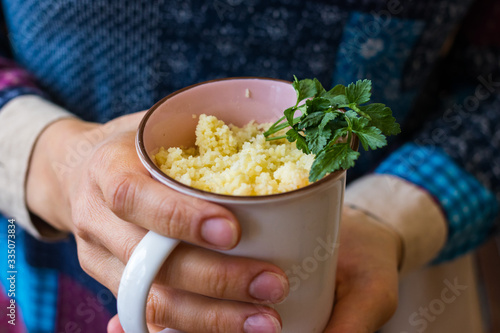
[328, 121]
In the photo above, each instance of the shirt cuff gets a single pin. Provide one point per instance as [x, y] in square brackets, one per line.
[408, 209]
[21, 121]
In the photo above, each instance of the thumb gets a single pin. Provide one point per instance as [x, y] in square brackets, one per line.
[114, 325]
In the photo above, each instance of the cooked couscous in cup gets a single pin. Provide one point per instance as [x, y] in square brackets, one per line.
[232, 160]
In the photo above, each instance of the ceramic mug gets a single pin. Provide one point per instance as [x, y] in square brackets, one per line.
[296, 230]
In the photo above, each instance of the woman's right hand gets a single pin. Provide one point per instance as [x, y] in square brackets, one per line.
[86, 179]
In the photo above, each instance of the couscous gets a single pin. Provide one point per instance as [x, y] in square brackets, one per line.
[236, 161]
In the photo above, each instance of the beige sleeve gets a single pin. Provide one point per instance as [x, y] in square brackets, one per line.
[408, 209]
[21, 121]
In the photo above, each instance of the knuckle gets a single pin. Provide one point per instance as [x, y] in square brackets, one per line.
[86, 263]
[100, 159]
[172, 217]
[218, 281]
[128, 246]
[120, 193]
[81, 232]
[152, 308]
[81, 225]
[157, 311]
[217, 322]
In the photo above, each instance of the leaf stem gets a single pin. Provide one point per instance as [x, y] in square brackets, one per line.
[276, 138]
[273, 126]
[278, 126]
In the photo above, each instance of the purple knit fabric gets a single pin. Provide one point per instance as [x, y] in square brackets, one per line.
[80, 310]
[5, 327]
[12, 75]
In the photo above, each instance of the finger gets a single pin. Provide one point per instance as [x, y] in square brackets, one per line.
[199, 270]
[189, 312]
[134, 196]
[221, 276]
[100, 264]
[184, 311]
[114, 325]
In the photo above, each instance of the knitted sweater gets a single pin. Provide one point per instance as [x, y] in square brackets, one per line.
[102, 59]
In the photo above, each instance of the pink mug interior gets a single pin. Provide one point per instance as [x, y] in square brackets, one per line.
[172, 121]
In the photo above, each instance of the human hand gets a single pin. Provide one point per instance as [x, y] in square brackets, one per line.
[367, 274]
[86, 179]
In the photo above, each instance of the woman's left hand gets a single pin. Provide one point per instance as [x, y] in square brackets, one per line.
[367, 275]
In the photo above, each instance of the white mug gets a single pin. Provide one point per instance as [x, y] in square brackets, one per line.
[296, 230]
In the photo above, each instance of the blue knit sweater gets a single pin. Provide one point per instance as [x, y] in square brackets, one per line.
[102, 59]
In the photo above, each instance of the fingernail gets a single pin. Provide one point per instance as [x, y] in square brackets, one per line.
[219, 232]
[262, 323]
[269, 286]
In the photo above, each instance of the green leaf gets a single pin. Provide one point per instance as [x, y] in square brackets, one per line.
[336, 95]
[331, 159]
[339, 89]
[293, 136]
[317, 104]
[369, 136]
[305, 88]
[359, 92]
[338, 133]
[338, 100]
[329, 116]
[322, 128]
[312, 119]
[381, 117]
[318, 137]
[289, 115]
[350, 116]
[320, 90]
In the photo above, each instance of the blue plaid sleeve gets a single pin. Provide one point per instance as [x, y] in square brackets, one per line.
[469, 207]
[10, 93]
[456, 158]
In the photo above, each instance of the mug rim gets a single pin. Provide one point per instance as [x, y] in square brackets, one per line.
[219, 197]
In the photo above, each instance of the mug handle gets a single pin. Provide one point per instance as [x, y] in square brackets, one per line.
[137, 278]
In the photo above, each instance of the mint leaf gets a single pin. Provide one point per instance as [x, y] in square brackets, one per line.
[381, 117]
[359, 92]
[333, 158]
